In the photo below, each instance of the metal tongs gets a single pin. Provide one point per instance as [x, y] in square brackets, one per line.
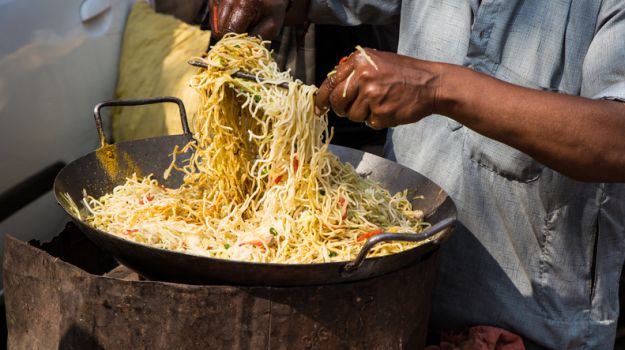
[239, 74]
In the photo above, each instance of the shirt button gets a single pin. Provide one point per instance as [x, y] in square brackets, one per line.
[482, 33]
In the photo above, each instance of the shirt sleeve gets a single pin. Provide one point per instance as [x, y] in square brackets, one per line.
[604, 64]
[354, 12]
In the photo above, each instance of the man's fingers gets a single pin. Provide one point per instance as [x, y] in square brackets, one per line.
[242, 17]
[322, 101]
[380, 121]
[267, 29]
[271, 19]
[220, 14]
[375, 123]
[359, 110]
[343, 95]
[234, 16]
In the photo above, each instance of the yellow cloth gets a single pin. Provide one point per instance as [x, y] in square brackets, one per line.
[153, 63]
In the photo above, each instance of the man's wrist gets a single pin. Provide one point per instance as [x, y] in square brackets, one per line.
[453, 83]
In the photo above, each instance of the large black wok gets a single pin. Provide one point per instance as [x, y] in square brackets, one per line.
[100, 171]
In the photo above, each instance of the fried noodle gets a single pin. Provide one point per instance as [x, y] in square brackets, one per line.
[261, 184]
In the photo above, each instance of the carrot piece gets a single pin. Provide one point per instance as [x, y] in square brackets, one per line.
[343, 204]
[368, 235]
[278, 179]
[149, 197]
[131, 231]
[257, 244]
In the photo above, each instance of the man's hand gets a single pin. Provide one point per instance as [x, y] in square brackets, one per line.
[382, 90]
[580, 137]
[256, 17]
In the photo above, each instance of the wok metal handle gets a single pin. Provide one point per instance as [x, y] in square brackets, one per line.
[404, 237]
[138, 102]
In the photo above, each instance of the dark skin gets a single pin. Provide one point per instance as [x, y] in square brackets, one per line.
[579, 137]
[256, 17]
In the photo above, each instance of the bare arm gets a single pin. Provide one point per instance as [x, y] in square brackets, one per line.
[579, 137]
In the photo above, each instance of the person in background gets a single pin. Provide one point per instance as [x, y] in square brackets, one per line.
[516, 109]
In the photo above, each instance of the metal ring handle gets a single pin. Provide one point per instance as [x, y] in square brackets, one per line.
[138, 102]
[389, 237]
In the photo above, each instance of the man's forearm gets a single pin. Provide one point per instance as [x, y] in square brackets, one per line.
[579, 137]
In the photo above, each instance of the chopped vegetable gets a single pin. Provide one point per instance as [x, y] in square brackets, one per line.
[273, 231]
[149, 198]
[257, 244]
[131, 231]
[278, 179]
[343, 203]
[295, 162]
[368, 235]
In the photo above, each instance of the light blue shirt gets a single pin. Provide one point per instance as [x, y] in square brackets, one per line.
[539, 254]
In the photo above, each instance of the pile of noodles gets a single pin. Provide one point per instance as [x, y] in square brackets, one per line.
[261, 184]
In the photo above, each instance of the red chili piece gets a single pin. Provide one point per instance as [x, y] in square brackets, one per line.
[257, 244]
[368, 235]
[343, 204]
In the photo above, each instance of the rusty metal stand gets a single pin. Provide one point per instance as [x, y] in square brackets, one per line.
[54, 303]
